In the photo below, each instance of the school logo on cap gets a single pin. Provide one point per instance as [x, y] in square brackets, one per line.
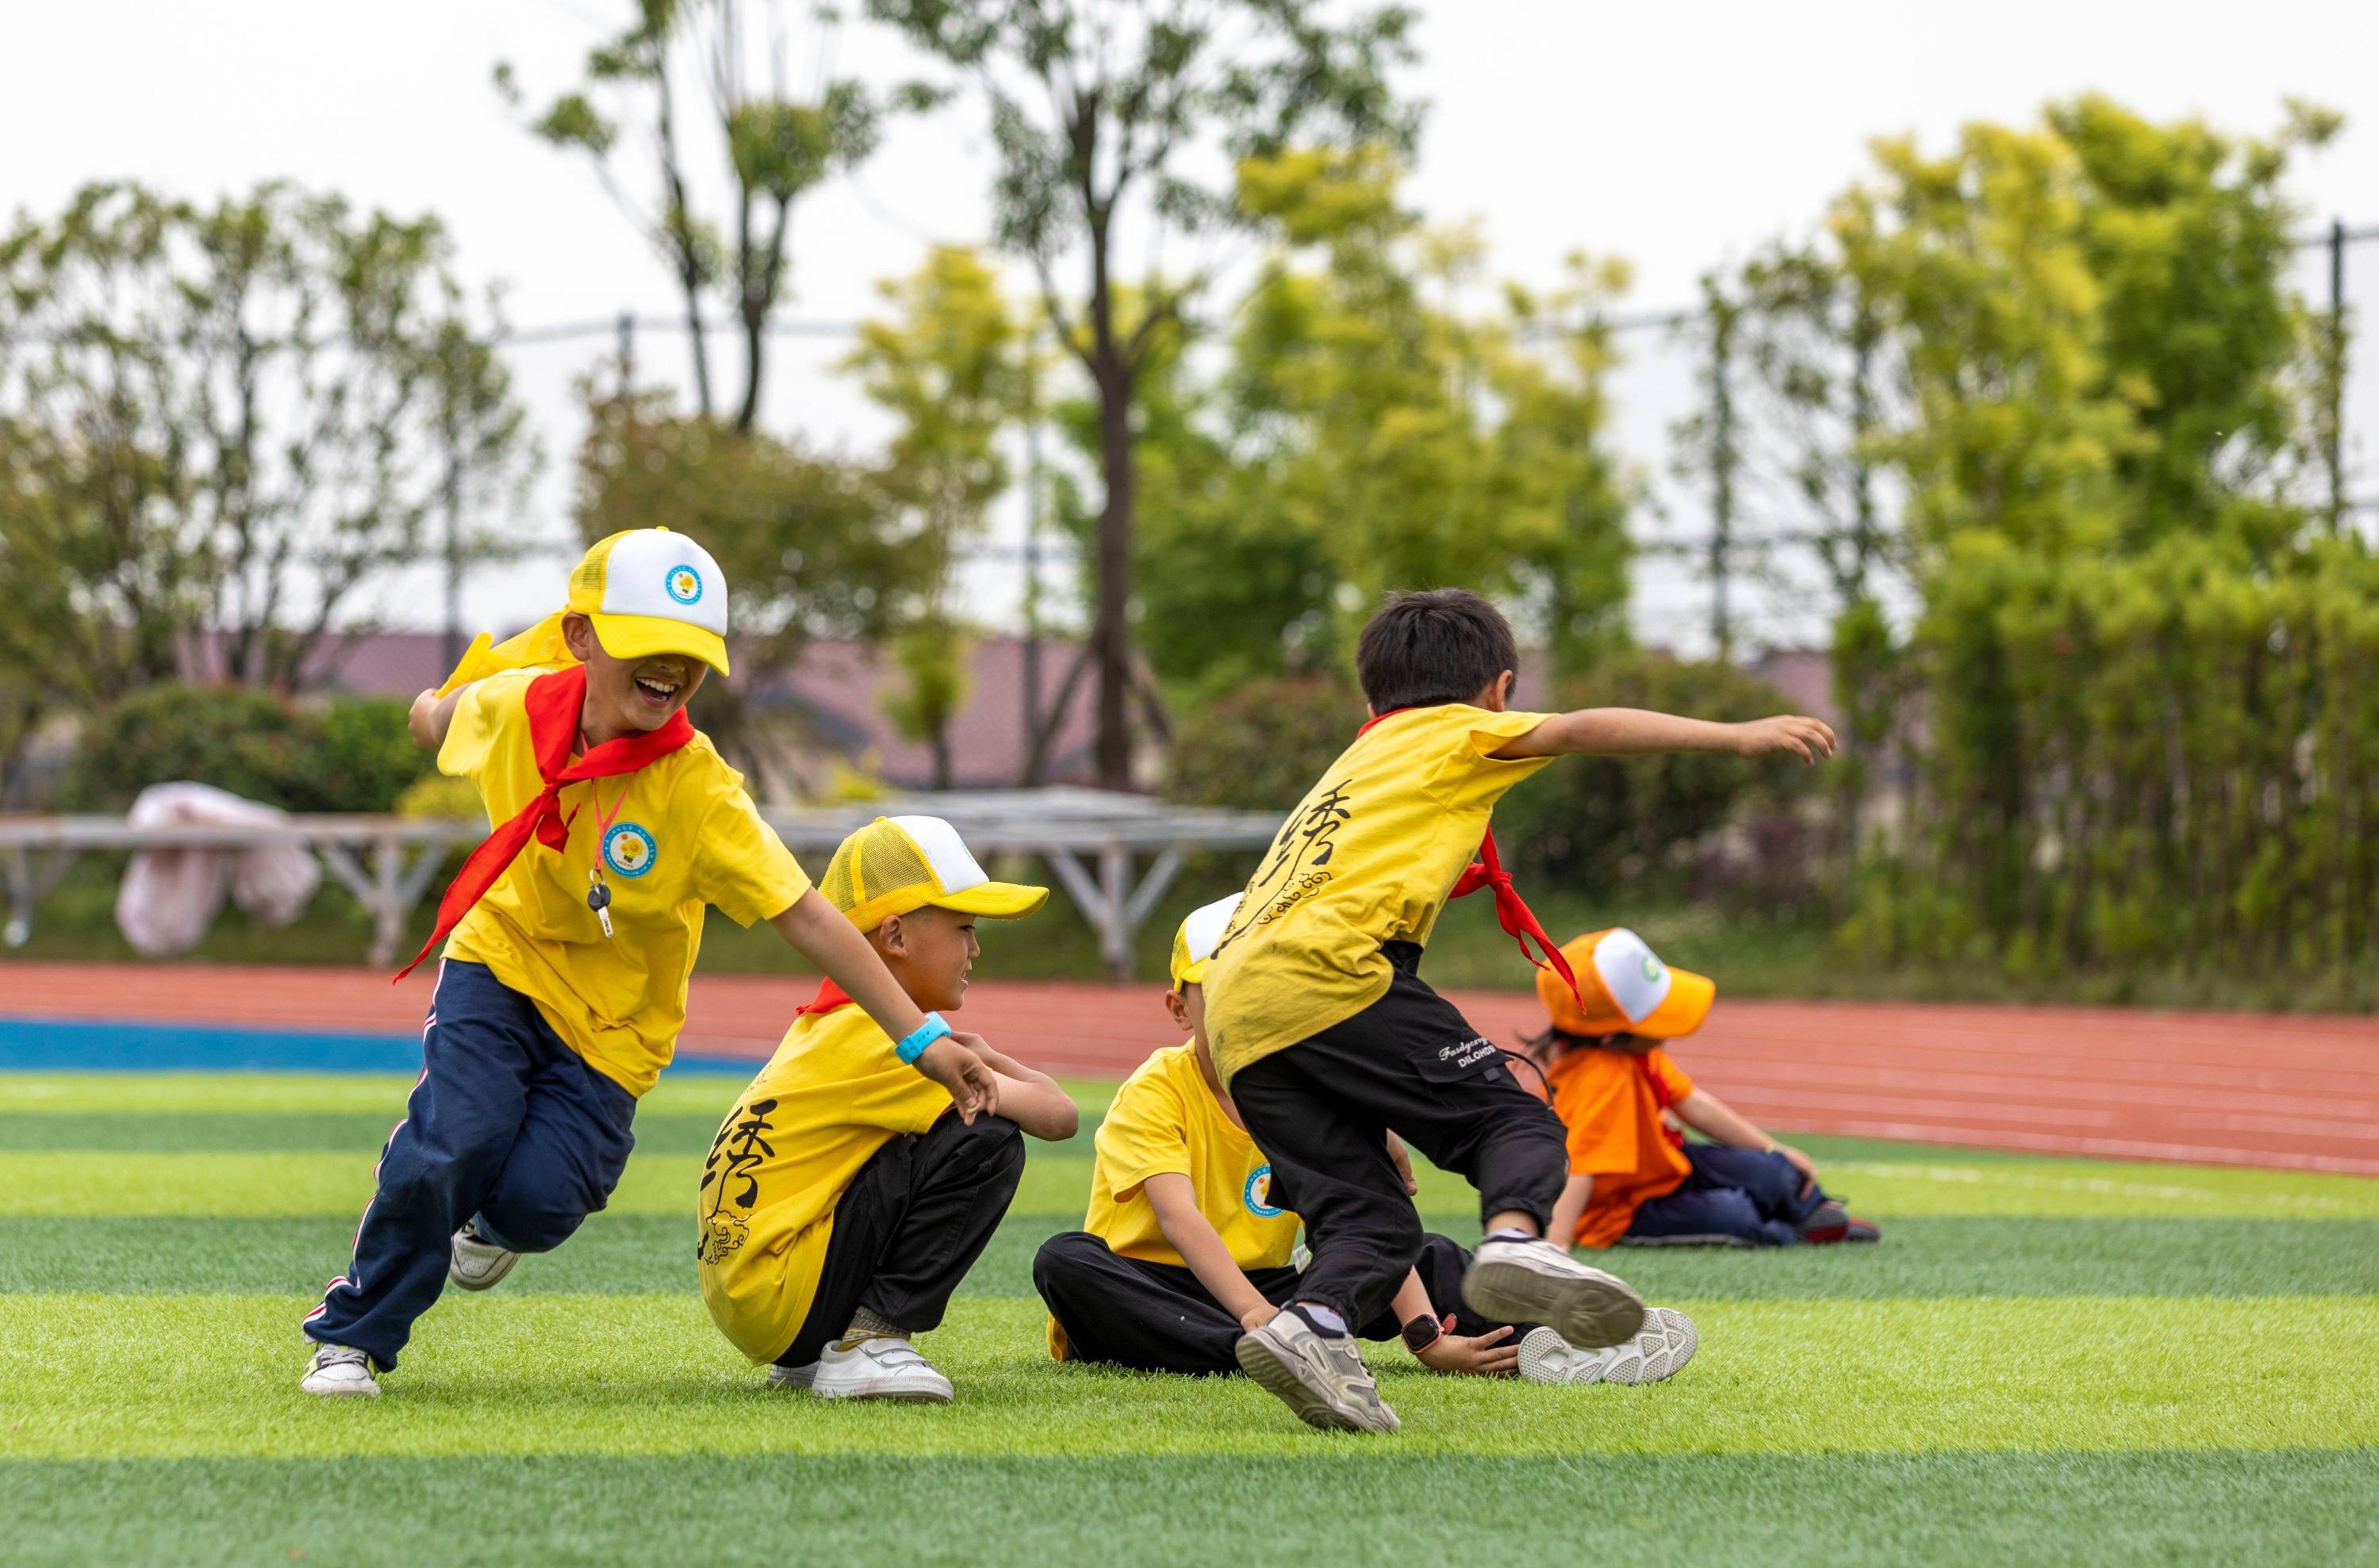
[684, 583]
[629, 849]
[1257, 1194]
[1651, 969]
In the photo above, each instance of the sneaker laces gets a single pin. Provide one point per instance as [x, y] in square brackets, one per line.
[339, 1356]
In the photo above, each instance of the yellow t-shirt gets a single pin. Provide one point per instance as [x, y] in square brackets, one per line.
[673, 836]
[1368, 857]
[832, 1095]
[1165, 1120]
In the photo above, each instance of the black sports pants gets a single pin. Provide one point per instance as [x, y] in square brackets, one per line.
[909, 1226]
[1321, 1111]
[1157, 1318]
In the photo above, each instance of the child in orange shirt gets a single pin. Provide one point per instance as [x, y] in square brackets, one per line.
[1634, 1180]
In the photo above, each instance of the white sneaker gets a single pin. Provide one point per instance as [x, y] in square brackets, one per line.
[1661, 1351]
[1535, 1282]
[475, 1264]
[1320, 1376]
[339, 1369]
[878, 1368]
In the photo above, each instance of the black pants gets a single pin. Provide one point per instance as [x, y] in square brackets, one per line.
[1321, 1111]
[909, 1226]
[1157, 1318]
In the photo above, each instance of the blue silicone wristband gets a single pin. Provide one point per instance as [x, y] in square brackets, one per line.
[925, 1034]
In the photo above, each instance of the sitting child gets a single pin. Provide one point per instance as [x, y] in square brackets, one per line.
[1634, 1180]
[1182, 1252]
[840, 1205]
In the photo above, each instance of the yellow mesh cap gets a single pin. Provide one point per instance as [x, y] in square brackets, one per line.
[649, 591]
[1193, 944]
[898, 863]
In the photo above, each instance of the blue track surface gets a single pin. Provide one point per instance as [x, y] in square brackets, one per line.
[91, 1045]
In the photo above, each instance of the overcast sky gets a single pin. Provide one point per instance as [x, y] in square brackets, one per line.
[1678, 135]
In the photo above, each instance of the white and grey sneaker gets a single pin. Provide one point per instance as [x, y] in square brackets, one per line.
[881, 1367]
[340, 1369]
[1535, 1282]
[1667, 1343]
[475, 1264]
[1321, 1378]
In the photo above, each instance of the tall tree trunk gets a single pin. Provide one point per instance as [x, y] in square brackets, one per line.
[1111, 632]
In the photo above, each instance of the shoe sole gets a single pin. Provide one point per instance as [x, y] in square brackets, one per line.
[1591, 1310]
[887, 1397]
[1279, 1375]
[348, 1391]
[485, 1282]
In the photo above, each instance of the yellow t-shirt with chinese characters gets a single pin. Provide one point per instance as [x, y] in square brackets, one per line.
[1368, 857]
[673, 836]
[1165, 1120]
[833, 1094]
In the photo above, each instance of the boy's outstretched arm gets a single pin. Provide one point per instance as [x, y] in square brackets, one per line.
[818, 931]
[1635, 731]
[1490, 1355]
[1714, 1119]
[1200, 1246]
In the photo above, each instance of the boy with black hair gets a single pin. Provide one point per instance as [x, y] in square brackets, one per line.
[574, 928]
[1326, 1038]
[1183, 1247]
[841, 1203]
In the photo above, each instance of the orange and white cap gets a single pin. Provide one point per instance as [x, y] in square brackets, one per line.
[1193, 944]
[1623, 988]
[898, 863]
[650, 591]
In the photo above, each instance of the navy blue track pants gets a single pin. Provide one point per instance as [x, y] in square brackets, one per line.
[508, 1126]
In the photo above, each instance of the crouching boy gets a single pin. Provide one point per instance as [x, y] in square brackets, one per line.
[842, 1203]
[1183, 1252]
[1634, 1180]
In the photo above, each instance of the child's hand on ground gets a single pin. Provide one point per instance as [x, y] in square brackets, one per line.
[1809, 739]
[1803, 1164]
[1255, 1317]
[1403, 1164]
[1478, 1355]
[952, 1062]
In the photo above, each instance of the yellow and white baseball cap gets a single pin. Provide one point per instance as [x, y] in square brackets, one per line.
[898, 863]
[1624, 989]
[649, 591]
[1193, 944]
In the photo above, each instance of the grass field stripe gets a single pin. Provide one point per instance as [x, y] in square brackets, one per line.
[2147, 1191]
[530, 1374]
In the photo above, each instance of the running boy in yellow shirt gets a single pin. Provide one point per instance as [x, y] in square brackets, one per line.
[563, 986]
[842, 1203]
[1183, 1249]
[1325, 1037]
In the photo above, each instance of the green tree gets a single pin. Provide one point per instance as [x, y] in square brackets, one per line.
[774, 147]
[1107, 116]
[240, 417]
[951, 367]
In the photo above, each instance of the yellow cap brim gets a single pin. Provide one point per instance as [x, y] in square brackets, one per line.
[647, 636]
[995, 901]
[1191, 974]
[1682, 1012]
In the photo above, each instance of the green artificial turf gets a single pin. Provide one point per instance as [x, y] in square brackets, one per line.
[2045, 1359]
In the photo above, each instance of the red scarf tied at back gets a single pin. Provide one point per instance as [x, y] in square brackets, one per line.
[1512, 911]
[555, 704]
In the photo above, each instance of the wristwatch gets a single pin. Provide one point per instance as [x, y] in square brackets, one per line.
[1423, 1332]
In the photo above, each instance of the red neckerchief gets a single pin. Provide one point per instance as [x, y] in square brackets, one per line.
[1512, 911]
[828, 998]
[554, 704]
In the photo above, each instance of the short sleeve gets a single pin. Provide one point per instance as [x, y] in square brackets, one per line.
[1673, 1078]
[1597, 1105]
[1469, 775]
[745, 869]
[485, 707]
[900, 1099]
[1145, 1134]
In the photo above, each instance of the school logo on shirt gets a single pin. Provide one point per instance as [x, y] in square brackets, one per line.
[684, 583]
[1257, 1194]
[628, 849]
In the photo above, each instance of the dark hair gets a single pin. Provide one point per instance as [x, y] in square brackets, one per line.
[1438, 645]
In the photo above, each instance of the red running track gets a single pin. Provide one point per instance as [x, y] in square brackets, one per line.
[2292, 1091]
